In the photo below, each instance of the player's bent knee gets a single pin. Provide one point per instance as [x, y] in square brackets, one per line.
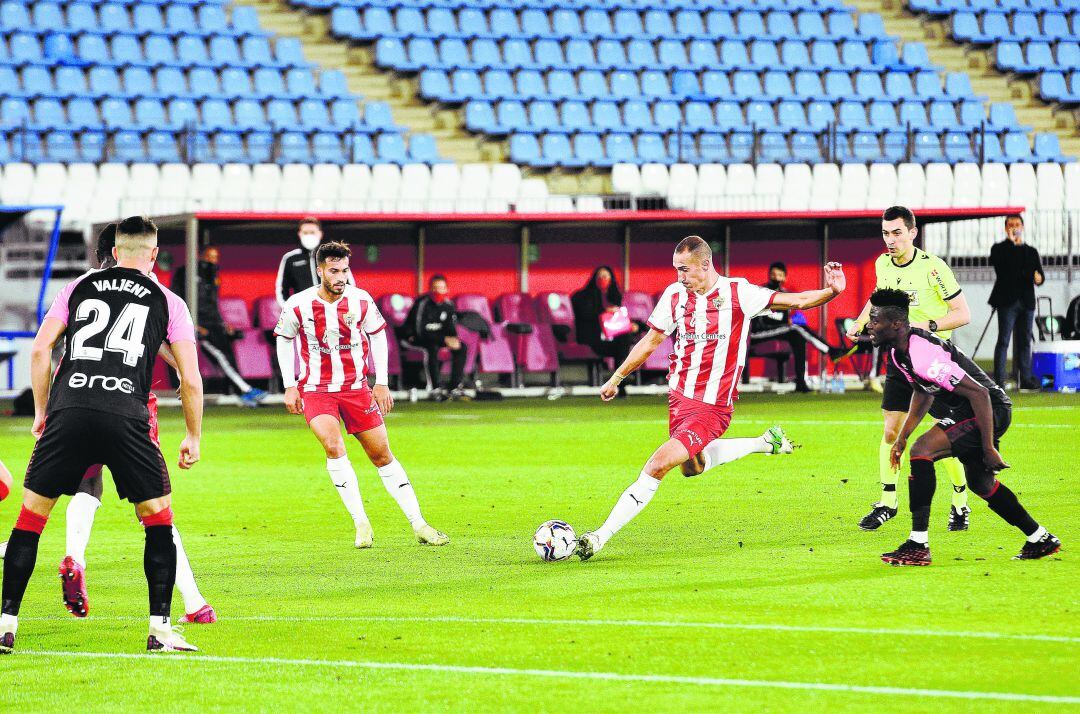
[148, 509]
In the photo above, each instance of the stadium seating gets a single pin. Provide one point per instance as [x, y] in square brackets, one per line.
[160, 82]
[733, 82]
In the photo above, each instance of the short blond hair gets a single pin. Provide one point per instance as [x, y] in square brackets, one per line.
[135, 237]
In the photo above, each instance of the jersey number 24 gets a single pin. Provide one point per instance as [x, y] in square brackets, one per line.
[125, 335]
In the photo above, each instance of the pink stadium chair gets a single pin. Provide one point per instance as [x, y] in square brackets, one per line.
[252, 351]
[235, 313]
[554, 309]
[395, 309]
[638, 305]
[267, 312]
[533, 342]
[493, 352]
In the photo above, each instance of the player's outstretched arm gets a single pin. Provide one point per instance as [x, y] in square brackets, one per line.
[41, 368]
[920, 405]
[637, 357]
[191, 399]
[835, 282]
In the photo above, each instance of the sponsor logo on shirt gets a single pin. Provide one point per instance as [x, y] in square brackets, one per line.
[78, 380]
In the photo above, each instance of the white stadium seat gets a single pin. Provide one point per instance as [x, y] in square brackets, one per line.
[768, 186]
[1022, 187]
[264, 187]
[825, 188]
[797, 181]
[910, 185]
[1051, 184]
[79, 192]
[413, 189]
[445, 183]
[532, 196]
[141, 189]
[739, 188]
[325, 185]
[967, 185]
[711, 184]
[883, 185]
[49, 183]
[654, 180]
[682, 185]
[854, 187]
[294, 188]
[590, 204]
[995, 185]
[172, 191]
[626, 178]
[354, 188]
[385, 184]
[559, 203]
[235, 188]
[205, 182]
[18, 182]
[1072, 186]
[939, 186]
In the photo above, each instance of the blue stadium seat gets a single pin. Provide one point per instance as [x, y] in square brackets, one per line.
[658, 23]
[295, 149]
[795, 54]
[928, 85]
[667, 116]
[530, 84]
[729, 115]
[326, 148]
[605, 115]
[1048, 148]
[497, 83]
[216, 114]
[524, 149]
[855, 55]
[480, 118]
[690, 24]
[504, 23]
[256, 51]
[699, 115]
[183, 113]
[1055, 26]
[654, 84]
[1025, 26]
[345, 113]
[547, 54]
[47, 14]
[14, 15]
[773, 148]
[24, 48]
[147, 19]
[1016, 148]
[865, 148]
[82, 18]
[636, 116]
[159, 51]
[14, 112]
[851, 116]
[958, 85]
[245, 21]
[965, 27]
[883, 115]
[624, 85]
[204, 82]
[138, 82]
[440, 22]
[703, 54]
[453, 53]
[564, 23]
[972, 113]
[588, 150]
[715, 84]
[838, 86]
[105, 82]
[805, 148]
[687, 84]
[898, 85]
[49, 113]
[249, 114]
[83, 114]
[627, 24]
[435, 84]
[269, 83]
[720, 23]
[868, 86]
[819, 115]
[170, 82]
[37, 82]
[260, 147]
[913, 113]
[619, 148]
[808, 85]
[180, 21]
[740, 147]
[378, 115]
[958, 147]
[651, 148]
[535, 23]
[943, 115]
[746, 85]
[842, 26]
[777, 85]
[1053, 87]
[314, 114]
[592, 85]
[790, 115]
[1068, 55]
[542, 116]
[927, 147]
[1002, 117]
[733, 55]
[671, 54]
[300, 83]
[281, 113]
[825, 56]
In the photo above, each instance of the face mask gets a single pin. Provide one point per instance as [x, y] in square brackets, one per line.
[309, 241]
[774, 284]
[603, 283]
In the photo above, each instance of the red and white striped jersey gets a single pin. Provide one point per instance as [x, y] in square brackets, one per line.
[710, 332]
[333, 342]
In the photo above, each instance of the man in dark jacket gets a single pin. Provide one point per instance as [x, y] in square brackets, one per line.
[777, 325]
[215, 335]
[1018, 270]
[296, 271]
[432, 325]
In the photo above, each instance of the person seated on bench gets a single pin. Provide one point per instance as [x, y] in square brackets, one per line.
[780, 325]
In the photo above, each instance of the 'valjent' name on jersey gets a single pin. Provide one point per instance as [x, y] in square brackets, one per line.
[124, 285]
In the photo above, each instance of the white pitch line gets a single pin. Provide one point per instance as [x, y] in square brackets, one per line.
[736, 420]
[570, 674]
[661, 624]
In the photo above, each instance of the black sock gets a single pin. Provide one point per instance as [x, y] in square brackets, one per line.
[159, 564]
[921, 485]
[1003, 502]
[18, 567]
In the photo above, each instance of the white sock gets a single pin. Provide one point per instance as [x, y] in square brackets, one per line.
[9, 621]
[1039, 533]
[162, 625]
[922, 537]
[724, 451]
[80, 519]
[397, 485]
[632, 501]
[185, 579]
[344, 479]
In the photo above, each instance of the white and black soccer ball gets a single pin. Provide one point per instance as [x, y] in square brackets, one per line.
[554, 540]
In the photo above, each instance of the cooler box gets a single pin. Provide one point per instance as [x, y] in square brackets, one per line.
[1056, 365]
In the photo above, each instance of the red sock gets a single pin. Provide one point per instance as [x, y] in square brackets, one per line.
[4, 490]
[161, 518]
[30, 521]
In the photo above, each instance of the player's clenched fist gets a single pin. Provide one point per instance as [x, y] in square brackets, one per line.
[294, 404]
[189, 452]
[610, 390]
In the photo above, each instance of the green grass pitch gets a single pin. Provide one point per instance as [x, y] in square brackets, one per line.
[747, 589]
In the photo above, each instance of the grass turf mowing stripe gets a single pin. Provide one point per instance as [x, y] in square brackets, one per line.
[559, 674]
[766, 626]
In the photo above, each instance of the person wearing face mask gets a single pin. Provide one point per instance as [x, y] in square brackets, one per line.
[297, 269]
[216, 336]
[778, 325]
[600, 298]
[432, 325]
[1018, 270]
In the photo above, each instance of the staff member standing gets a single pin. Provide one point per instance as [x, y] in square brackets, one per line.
[1018, 270]
[297, 269]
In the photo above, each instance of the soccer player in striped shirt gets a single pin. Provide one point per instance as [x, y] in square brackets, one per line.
[337, 326]
[709, 316]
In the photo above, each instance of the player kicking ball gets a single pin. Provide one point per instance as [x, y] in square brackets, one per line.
[981, 413]
[93, 410]
[336, 324]
[709, 316]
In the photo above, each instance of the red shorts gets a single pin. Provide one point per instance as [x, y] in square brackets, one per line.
[356, 408]
[695, 423]
[151, 406]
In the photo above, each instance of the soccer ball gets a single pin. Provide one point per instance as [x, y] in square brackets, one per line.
[554, 540]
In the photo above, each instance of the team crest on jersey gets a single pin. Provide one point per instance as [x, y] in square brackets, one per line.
[718, 302]
[350, 318]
